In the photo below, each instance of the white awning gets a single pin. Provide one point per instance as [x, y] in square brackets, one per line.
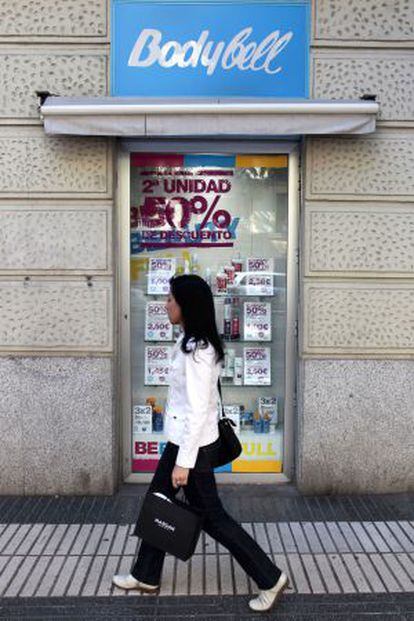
[129, 116]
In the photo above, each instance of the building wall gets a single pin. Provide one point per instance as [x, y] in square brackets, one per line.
[57, 362]
[356, 369]
[57, 295]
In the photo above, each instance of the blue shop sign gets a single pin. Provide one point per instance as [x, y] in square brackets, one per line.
[210, 49]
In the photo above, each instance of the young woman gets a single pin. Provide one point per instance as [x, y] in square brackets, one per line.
[191, 428]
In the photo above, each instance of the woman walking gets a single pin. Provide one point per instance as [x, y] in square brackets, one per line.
[192, 434]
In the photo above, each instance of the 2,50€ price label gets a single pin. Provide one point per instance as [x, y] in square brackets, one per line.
[157, 324]
[157, 365]
[257, 370]
[257, 321]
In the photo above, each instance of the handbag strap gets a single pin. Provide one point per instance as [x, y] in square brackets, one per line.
[221, 398]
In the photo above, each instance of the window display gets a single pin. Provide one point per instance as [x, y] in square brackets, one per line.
[224, 218]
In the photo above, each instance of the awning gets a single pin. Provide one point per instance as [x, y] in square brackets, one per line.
[128, 116]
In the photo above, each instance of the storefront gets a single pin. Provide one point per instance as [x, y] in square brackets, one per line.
[209, 115]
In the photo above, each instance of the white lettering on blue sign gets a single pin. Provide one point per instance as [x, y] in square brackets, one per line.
[240, 52]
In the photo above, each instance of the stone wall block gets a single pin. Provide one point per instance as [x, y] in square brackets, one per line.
[368, 20]
[349, 75]
[380, 166]
[58, 415]
[53, 18]
[63, 73]
[54, 237]
[44, 315]
[355, 426]
[359, 240]
[32, 163]
[358, 318]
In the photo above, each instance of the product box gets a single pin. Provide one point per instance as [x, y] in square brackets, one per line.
[141, 419]
[260, 276]
[257, 321]
[268, 408]
[233, 412]
[159, 273]
[257, 366]
[157, 365]
[157, 324]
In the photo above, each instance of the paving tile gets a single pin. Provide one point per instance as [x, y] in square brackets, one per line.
[287, 538]
[8, 572]
[370, 573]
[67, 541]
[50, 576]
[261, 536]
[197, 571]
[313, 574]
[350, 537]
[401, 570]
[167, 581]
[56, 539]
[7, 535]
[94, 539]
[392, 542]
[132, 543]
[226, 574]
[81, 539]
[327, 574]
[356, 574]
[363, 537]
[181, 578]
[337, 537]
[123, 568]
[299, 537]
[401, 536]
[65, 576]
[376, 537]
[274, 538]
[312, 537]
[93, 578]
[387, 576]
[79, 576]
[325, 538]
[17, 539]
[301, 581]
[18, 580]
[119, 539]
[341, 573]
[36, 574]
[408, 528]
[211, 578]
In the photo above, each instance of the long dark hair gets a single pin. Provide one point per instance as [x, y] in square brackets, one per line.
[194, 297]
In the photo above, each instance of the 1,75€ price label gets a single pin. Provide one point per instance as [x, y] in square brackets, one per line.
[257, 321]
[157, 324]
[257, 371]
[157, 365]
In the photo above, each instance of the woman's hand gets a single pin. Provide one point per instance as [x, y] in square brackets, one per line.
[179, 476]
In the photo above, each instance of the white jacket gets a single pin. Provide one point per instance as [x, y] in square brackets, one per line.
[191, 413]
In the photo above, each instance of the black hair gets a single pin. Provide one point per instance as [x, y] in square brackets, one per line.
[194, 297]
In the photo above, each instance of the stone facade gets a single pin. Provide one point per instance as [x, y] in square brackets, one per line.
[356, 368]
[57, 411]
[58, 414]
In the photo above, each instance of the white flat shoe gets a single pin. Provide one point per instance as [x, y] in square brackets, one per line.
[266, 599]
[129, 582]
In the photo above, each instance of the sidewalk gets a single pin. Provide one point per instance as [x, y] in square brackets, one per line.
[348, 557]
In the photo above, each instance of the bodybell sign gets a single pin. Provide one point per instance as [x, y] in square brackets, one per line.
[210, 49]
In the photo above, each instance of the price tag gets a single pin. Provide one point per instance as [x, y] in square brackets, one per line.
[157, 365]
[159, 273]
[260, 276]
[157, 324]
[257, 321]
[141, 419]
[257, 366]
[233, 412]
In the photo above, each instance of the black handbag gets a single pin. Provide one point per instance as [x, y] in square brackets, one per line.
[169, 524]
[229, 444]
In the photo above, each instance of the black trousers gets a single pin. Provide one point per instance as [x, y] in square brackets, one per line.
[201, 492]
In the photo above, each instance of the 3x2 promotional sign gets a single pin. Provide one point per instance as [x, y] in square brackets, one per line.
[209, 49]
